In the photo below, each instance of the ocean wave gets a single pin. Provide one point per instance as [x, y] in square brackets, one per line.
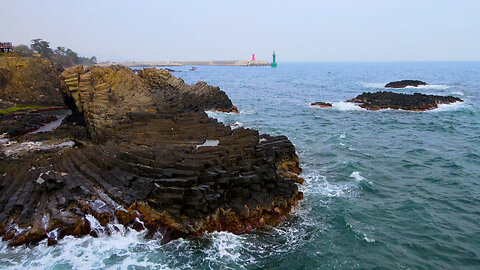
[458, 93]
[357, 176]
[346, 106]
[360, 234]
[449, 107]
[317, 184]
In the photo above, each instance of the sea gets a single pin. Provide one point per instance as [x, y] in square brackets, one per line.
[387, 189]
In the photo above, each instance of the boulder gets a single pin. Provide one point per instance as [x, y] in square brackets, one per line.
[391, 100]
[405, 83]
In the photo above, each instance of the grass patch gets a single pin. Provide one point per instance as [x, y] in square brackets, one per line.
[18, 108]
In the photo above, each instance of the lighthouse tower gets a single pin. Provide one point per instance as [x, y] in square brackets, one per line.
[274, 64]
[253, 57]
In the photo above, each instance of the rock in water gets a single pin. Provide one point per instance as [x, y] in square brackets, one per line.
[30, 80]
[147, 161]
[405, 83]
[321, 104]
[415, 102]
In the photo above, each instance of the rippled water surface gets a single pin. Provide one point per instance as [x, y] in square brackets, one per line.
[386, 189]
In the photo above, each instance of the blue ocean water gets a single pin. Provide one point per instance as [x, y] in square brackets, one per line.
[384, 189]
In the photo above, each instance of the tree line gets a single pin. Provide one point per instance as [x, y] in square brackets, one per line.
[62, 56]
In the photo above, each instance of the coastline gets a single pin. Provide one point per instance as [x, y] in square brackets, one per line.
[186, 63]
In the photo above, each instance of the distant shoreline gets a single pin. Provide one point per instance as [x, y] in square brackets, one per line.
[188, 63]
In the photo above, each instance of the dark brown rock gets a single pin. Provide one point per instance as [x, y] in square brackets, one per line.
[405, 83]
[415, 102]
[321, 104]
[30, 80]
[150, 158]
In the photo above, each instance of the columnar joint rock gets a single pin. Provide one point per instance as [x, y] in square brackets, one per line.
[151, 159]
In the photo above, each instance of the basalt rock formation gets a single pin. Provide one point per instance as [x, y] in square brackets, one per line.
[321, 104]
[140, 150]
[415, 102]
[30, 80]
[405, 83]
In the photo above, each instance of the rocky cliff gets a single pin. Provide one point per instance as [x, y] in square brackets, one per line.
[141, 151]
[29, 80]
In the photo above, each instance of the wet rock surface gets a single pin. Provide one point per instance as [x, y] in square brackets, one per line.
[321, 104]
[405, 83]
[21, 122]
[411, 102]
[137, 150]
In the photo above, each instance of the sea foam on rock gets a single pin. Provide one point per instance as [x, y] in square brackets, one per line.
[136, 162]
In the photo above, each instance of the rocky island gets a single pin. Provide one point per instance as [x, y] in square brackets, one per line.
[405, 83]
[321, 104]
[138, 150]
[391, 100]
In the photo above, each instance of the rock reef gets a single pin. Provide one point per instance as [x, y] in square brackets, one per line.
[321, 104]
[139, 150]
[391, 100]
[405, 83]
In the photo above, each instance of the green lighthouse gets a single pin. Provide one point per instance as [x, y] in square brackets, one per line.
[274, 64]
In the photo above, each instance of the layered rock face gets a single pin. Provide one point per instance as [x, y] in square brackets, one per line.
[405, 83]
[29, 80]
[147, 157]
[415, 102]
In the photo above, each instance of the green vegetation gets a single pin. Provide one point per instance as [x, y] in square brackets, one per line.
[18, 108]
[63, 56]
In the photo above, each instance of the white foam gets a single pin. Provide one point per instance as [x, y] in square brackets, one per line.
[449, 107]
[13, 148]
[318, 184]
[346, 106]
[357, 176]
[235, 125]
[360, 234]
[225, 245]
[458, 93]
[374, 85]
[342, 135]
[209, 143]
[430, 86]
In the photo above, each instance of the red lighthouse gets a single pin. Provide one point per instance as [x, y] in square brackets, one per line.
[253, 57]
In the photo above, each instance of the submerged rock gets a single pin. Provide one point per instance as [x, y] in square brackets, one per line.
[405, 83]
[415, 102]
[145, 159]
[321, 104]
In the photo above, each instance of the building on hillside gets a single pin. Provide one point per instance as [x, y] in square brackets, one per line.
[6, 47]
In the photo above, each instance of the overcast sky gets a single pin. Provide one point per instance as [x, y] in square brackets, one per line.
[321, 30]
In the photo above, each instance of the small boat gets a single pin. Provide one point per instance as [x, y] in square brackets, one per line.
[192, 69]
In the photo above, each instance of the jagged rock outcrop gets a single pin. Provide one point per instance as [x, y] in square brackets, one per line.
[321, 104]
[405, 83]
[147, 156]
[415, 102]
[30, 80]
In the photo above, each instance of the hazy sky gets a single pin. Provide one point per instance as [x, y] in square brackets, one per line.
[321, 30]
